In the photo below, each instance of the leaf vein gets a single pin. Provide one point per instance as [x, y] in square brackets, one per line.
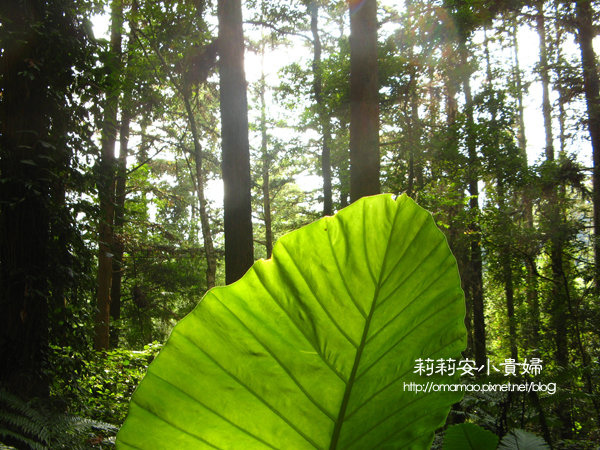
[389, 416]
[198, 438]
[316, 297]
[216, 413]
[302, 389]
[404, 425]
[249, 389]
[327, 363]
[407, 277]
[365, 246]
[402, 339]
[375, 394]
[344, 405]
[407, 246]
[337, 265]
[413, 300]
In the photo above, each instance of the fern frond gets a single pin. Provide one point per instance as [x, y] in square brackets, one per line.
[4, 433]
[39, 426]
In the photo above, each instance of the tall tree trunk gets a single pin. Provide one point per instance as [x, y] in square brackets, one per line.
[592, 94]
[24, 214]
[364, 104]
[106, 180]
[507, 274]
[591, 85]
[239, 252]
[554, 214]
[209, 249]
[322, 116]
[457, 231]
[531, 284]
[120, 191]
[558, 301]
[415, 169]
[545, 77]
[266, 159]
[475, 272]
[433, 117]
[343, 115]
[344, 168]
[505, 251]
[118, 244]
[521, 138]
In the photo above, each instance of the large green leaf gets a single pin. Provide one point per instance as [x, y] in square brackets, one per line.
[312, 348]
[468, 436]
[522, 440]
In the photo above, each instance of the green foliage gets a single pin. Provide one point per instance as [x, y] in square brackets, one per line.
[99, 384]
[315, 342]
[520, 439]
[39, 425]
[55, 98]
[468, 436]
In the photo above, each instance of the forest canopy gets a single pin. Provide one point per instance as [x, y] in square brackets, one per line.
[152, 150]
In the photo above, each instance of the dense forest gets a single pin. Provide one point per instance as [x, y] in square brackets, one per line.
[144, 162]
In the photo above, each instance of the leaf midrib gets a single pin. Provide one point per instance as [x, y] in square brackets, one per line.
[340, 420]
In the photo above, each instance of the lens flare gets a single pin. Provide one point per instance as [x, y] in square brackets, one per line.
[355, 5]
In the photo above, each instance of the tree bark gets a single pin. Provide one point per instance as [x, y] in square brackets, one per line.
[120, 192]
[591, 85]
[239, 252]
[415, 171]
[118, 244]
[559, 312]
[521, 138]
[531, 285]
[266, 162]
[457, 232]
[364, 104]
[559, 293]
[505, 252]
[322, 116]
[545, 77]
[106, 180]
[41, 42]
[475, 271]
[209, 249]
[24, 215]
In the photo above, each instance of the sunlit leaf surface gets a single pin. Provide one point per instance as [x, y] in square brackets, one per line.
[468, 436]
[314, 347]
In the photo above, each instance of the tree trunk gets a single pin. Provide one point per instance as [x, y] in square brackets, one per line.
[545, 77]
[322, 116]
[239, 252]
[558, 299]
[120, 193]
[591, 85]
[106, 180]
[554, 214]
[209, 249]
[414, 152]
[457, 231]
[505, 255]
[24, 215]
[266, 161]
[475, 271]
[531, 285]
[364, 104]
[507, 274]
[519, 93]
[118, 245]
[344, 169]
